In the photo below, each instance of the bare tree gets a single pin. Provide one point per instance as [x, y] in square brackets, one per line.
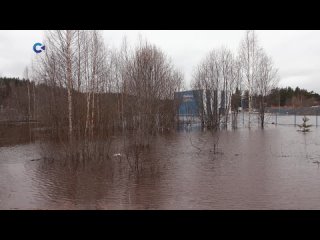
[62, 54]
[26, 76]
[266, 80]
[217, 76]
[249, 60]
[152, 81]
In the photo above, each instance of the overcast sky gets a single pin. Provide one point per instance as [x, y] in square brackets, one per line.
[295, 53]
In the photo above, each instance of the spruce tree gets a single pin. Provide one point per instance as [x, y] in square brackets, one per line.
[304, 127]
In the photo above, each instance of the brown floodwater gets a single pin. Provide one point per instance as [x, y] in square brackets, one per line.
[274, 168]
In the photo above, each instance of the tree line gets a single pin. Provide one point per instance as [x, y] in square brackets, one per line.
[278, 97]
[15, 103]
[289, 97]
[14, 96]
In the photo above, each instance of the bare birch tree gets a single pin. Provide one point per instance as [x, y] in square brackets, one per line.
[217, 75]
[249, 60]
[62, 52]
[266, 80]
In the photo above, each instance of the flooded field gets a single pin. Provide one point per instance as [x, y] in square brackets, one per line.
[274, 168]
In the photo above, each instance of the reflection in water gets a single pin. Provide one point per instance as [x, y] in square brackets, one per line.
[257, 169]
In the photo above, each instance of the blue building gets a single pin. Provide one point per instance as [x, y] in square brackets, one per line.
[200, 106]
[189, 105]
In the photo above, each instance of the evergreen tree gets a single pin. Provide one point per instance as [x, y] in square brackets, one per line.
[304, 127]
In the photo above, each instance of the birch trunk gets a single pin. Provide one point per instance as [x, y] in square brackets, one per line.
[69, 82]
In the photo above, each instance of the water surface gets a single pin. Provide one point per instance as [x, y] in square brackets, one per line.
[274, 168]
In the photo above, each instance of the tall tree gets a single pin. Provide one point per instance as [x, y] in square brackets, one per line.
[248, 53]
[266, 80]
[62, 45]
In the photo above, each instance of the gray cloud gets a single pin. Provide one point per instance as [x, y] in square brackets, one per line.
[295, 53]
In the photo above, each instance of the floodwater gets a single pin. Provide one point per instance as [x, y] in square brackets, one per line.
[274, 168]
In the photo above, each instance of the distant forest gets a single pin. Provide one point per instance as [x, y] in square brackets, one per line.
[283, 97]
[14, 97]
[290, 97]
[23, 100]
